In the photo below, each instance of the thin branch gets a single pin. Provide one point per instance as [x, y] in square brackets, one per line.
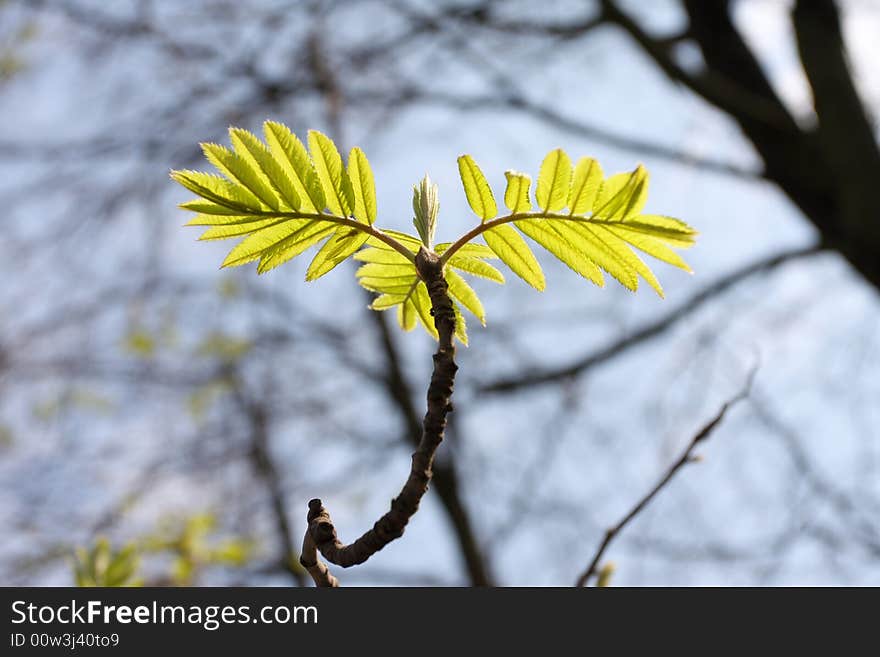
[392, 524]
[755, 102]
[481, 228]
[446, 480]
[315, 567]
[652, 330]
[686, 457]
[369, 229]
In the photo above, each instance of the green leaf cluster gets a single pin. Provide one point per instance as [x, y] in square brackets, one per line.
[102, 565]
[589, 221]
[281, 197]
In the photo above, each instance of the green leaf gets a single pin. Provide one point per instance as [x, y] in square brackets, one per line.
[553, 237]
[227, 220]
[292, 156]
[515, 253]
[411, 242]
[387, 286]
[382, 256]
[337, 249]
[672, 231]
[237, 169]
[476, 267]
[460, 325]
[622, 196]
[363, 186]
[516, 196]
[422, 303]
[650, 245]
[219, 190]
[386, 301]
[585, 185]
[387, 270]
[229, 231]
[464, 294]
[476, 188]
[332, 175]
[294, 245]
[470, 249]
[616, 245]
[605, 256]
[250, 148]
[554, 181]
[406, 312]
[207, 207]
[259, 241]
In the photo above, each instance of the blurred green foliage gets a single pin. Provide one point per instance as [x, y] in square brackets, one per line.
[188, 541]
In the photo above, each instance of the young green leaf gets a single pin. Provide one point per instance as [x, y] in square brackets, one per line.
[239, 170]
[337, 249]
[381, 256]
[606, 257]
[207, 207]
[616, 245]
[560, 243]
[650, 245]
[622, 196]
[218, 190]
[460, 325]
[422, 303]
[228, 231]
[465, 295]
[333, 176]
[584, 185]
[516, 196]
[253, 246]
[294, 245]
[386, 301]
[476, 188]
[554, 181]
[251, 149]
[363, 186]
[672, 231]
[292, 156]
[406, 312]
[475, 266]
[516, 254]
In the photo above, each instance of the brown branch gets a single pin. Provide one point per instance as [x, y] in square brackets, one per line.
[446, 481]
[845, 128]
[652, 330]
[744, 93]
[314, 566]
[392, 524]
[686, 457]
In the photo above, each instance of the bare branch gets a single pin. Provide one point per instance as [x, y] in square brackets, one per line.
[391, 525]
[446, 479]
[315, 567]
[686, 457]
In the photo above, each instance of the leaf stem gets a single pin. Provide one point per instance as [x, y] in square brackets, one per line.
[506, 219]
[344, 221]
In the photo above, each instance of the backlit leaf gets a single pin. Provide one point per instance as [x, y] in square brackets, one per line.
[516, 196]
[554, 181]
[334, 179]
[476, 188]
[516, 254]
